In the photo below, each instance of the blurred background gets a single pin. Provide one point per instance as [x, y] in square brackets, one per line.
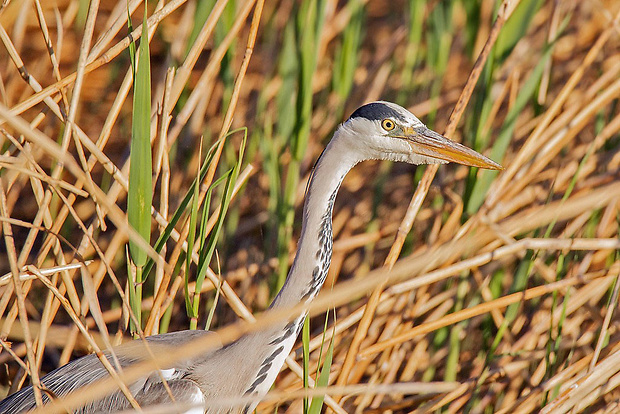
[504, 293]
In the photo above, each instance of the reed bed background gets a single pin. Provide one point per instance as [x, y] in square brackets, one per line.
[503, 290]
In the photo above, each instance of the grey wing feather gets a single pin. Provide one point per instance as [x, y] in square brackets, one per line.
[88, 369]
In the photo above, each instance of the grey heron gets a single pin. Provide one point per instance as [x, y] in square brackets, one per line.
[249, 366]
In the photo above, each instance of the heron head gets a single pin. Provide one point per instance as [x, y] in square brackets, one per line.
[384, 130]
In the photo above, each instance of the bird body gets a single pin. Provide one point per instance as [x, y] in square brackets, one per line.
[249, 365]
[88, 369]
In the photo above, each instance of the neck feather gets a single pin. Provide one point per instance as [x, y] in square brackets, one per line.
[314, 249]
[307, 275]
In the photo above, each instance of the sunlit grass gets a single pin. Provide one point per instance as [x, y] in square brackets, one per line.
[140, 192]
[307, 27]
[545, 106]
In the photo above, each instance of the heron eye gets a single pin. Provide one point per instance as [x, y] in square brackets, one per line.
[388, 124]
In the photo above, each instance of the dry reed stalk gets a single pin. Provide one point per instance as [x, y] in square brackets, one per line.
[533, 142]
[420, 194]
[104, 59]
[580, 118]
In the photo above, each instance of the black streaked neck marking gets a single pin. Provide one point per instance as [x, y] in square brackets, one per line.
[324, 253]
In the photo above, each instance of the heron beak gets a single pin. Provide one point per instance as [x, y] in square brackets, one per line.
[429, 143]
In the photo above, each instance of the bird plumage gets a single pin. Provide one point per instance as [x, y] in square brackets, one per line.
[88, 369]
[249, 365]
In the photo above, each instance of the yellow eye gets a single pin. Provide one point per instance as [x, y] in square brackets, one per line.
[388, 124]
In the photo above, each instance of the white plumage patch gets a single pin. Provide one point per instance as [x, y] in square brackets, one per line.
[198, 402]
[168, 374]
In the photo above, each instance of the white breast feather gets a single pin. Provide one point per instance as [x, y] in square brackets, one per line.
[198, 402]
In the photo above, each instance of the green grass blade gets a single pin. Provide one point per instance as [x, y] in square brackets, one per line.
[163, 238]
[439, 37]
[414, 40]
[192, 301]
[323, 378]
[288, 69]
[132, 45]
[140, 195]
[305, 340]
[218, 290]
[191, 237]
[209, 243]
[456, 333]
[346, 56]
[515, 27]
[140, 192]
[227, 71]
[203, 9]
[485, 179]
[309, 26]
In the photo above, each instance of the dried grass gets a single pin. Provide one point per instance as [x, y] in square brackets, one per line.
[507, 309]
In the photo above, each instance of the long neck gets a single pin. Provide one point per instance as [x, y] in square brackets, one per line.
[314, 249]
[307, 275]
